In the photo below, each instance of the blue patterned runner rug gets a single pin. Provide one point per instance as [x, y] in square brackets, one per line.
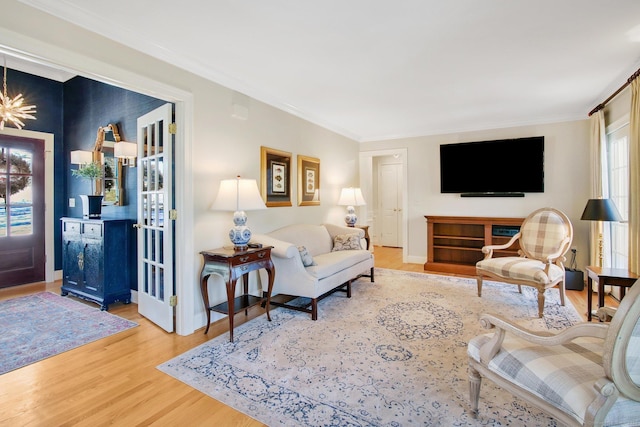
[42, 325]
[395, 354]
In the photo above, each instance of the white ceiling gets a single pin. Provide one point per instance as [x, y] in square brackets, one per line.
[383, 69]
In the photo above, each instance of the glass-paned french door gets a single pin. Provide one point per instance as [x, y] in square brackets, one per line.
[618, 169]
[155, 228]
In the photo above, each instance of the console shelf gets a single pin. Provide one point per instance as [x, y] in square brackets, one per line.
[454, 243]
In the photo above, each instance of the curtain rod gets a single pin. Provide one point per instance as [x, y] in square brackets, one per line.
[614, 94]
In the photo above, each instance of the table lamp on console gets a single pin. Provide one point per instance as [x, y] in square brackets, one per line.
[351, 197]
[237, 196]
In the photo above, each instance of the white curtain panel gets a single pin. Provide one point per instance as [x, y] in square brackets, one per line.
[598, 177]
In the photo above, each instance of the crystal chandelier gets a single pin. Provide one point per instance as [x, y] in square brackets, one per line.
[11, 110]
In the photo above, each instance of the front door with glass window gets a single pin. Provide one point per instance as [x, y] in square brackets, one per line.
[22, 254]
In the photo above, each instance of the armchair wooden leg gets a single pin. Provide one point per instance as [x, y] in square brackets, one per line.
[349, 289]
[479, 280]
[475, 380]
[314, 309]
[540, 302]
[519, 289]
[561, 289]
[374, 280]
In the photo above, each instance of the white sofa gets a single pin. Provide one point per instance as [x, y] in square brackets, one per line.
[331, 270]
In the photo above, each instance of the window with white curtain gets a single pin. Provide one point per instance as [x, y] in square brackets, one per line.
[618, 169]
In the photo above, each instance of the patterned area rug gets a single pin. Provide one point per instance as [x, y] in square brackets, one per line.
[42, 325]
[395, 354]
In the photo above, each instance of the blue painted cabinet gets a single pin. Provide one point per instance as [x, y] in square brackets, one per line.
[99, 259]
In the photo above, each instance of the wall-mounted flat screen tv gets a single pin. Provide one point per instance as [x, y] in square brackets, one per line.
[506, 167]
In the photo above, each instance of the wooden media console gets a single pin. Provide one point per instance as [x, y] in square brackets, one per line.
[454, 243]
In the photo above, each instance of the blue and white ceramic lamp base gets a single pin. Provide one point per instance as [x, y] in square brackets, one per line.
[240, 235]
[351, 218]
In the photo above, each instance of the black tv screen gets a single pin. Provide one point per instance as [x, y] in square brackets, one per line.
[506, 166]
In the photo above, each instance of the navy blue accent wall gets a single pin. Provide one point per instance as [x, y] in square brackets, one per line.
[89, 105]
[47, 96]
[73, 111]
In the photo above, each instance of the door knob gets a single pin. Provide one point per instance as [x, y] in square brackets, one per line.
[137, 225]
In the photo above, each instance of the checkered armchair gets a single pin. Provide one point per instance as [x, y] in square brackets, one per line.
[544, 238]
[586, 375]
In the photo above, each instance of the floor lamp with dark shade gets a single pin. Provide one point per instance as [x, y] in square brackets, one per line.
[601, 210]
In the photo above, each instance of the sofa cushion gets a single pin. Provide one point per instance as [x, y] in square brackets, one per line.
[521, 268]
[554, 373]
[307, 259]
[346, 242]
[333, 262]
[315, 238]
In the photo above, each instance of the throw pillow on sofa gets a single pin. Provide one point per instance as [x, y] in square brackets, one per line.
[346, 242]
[307, 259]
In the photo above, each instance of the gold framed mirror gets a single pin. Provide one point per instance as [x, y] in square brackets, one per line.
[110, 186]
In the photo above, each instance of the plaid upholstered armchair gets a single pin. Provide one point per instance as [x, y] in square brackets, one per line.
[586, 375]
[544, 238]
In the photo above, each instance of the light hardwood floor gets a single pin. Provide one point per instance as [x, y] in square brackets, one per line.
[114, 381]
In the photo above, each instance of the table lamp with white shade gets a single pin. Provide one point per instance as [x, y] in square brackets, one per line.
[351, 197]
[238, 195]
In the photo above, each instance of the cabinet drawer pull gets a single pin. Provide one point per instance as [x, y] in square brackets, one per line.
[244, 259]
[81, 260]
[261, 255]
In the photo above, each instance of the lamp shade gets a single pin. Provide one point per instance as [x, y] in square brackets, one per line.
[601, 210]
[351, 197]
[125, 150]
[238, 195]
[81, 157]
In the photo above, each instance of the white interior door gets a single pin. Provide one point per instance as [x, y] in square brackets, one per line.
[390, 197]
[155, 228]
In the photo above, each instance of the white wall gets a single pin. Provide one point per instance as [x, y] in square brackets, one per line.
[229, 147]
[566, 181]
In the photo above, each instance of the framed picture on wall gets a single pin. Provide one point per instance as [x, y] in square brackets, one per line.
[275, 177]
[308, 181]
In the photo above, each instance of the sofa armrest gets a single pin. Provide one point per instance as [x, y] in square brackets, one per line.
[502, 326]
[292, 278]
[280, 249]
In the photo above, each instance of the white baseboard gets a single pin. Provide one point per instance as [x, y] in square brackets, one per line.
[415, 260]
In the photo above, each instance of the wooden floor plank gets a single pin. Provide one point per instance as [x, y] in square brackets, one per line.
[115, 381]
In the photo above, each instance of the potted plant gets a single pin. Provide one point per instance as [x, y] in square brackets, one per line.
[91, 204]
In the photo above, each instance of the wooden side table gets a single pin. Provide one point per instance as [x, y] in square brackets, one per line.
[230, 265]
[366, 234]
[607, 277]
